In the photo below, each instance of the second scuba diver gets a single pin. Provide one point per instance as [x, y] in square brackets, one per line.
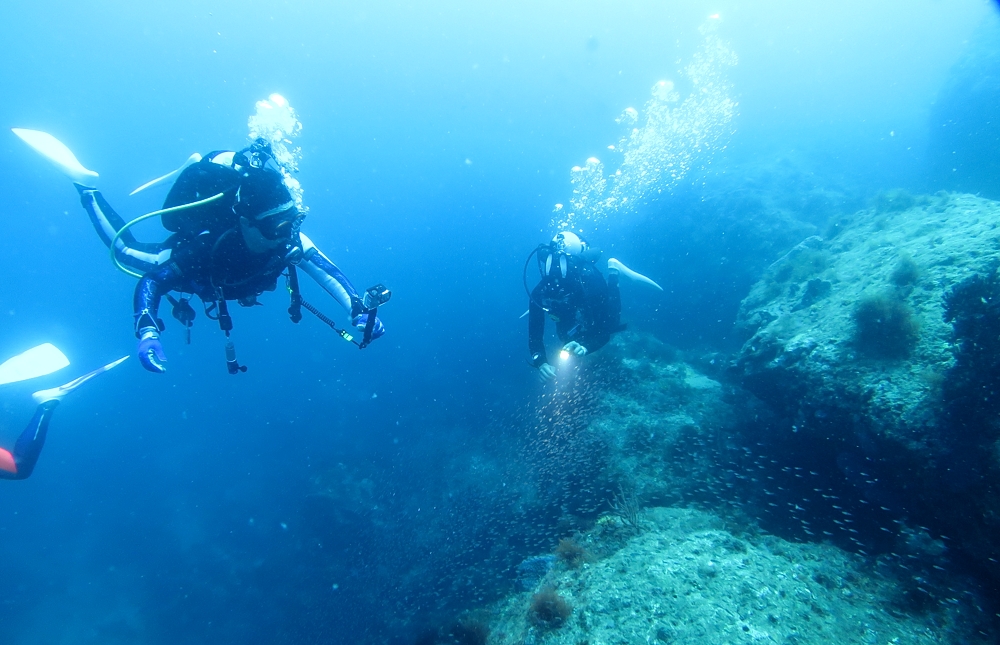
[235, 231]
[584, 306]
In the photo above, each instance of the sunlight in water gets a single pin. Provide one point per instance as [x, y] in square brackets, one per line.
[276, 122]
[660, 145]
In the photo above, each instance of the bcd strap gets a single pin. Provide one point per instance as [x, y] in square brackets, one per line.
[183, 312]
[295, 297]
[225, 320]
[226, 325]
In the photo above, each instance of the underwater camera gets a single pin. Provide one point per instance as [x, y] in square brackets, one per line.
[376, 297]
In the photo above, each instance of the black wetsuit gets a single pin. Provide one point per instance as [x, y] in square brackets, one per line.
[20, 463]
[584, 306]
[207, 255]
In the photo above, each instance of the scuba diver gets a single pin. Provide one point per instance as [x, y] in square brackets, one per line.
[585, 307]
[235, 231]
[38, 361]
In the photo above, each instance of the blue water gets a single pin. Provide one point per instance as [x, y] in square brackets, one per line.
[186, 508]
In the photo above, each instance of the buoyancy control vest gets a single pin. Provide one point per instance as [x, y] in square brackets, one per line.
[200, 181]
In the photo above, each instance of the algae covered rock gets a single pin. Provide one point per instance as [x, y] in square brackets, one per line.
[686, 579]
[886, 375]
[848, 332]
[656, 418]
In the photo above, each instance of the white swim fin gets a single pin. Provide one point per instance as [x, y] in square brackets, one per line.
[57, 393]
[37, 361]
[59, 155]
[193, 159]
[615, 265]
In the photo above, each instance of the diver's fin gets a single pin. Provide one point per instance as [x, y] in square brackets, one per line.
[57, 393]
[58, 154]
[37, 361]
[193, 159]
[615, 265]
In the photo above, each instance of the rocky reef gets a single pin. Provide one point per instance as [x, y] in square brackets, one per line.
[833, 480]
[696, 476]
[868, 346]
[682, 576]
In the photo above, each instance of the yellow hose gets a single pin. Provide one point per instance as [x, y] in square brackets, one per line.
[143, 218]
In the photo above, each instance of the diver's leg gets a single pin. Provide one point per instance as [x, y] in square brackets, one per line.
[7, 466]
[614, 300]
[21, 462]
[130, 252]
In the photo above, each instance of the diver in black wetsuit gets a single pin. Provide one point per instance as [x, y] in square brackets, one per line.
[585, 307]
[20, 463]
[235, 231]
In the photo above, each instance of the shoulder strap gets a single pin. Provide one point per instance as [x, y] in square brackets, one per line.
[295, 297]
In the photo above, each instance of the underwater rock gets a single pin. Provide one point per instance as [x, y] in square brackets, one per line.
[865, 349]
[655, 419]
[716, 238]
[531, 570]
[867, 376]
[689, 580]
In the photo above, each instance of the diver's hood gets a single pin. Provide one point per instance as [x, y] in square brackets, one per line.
[569, 243]
[262, 194]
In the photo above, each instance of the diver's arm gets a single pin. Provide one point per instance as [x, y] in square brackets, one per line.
[334, 282]
[148, 292]
[145, 305]
[536, 334]
[327, 275]
[142, 257]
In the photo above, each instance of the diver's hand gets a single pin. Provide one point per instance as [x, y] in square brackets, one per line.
[546, 372]
[151, 353]
[362, 320]
[574, 347]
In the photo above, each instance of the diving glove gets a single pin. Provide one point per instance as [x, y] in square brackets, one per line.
[546, 372]
[361, 321]
[151, 351]
[574, 347]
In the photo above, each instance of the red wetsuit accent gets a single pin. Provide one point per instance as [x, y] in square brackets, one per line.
[20, 462]
[7, 462]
